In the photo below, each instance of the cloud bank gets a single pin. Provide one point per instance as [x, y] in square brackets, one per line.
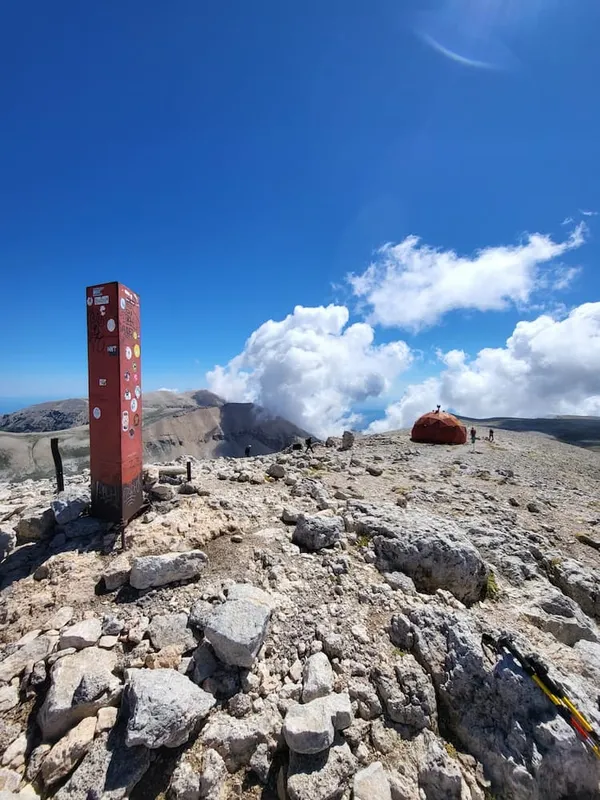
[548, 366]
[411, 285]
[312, 368]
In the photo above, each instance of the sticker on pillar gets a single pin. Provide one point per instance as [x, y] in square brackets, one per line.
[125, 420]
[127, 395]
[101, 301]
[136, 350]
[136, 377]
[135, 334]
[138, 392]
[123, 303]
[102, 310]
[128, 354]
[110, 325]
[112, 349]
[96, 413]
[90, 301]
[101, 381]
[97, 290]
[134, 404]
[131, 433]
[134, 366]
[127, 376]
[136, 420]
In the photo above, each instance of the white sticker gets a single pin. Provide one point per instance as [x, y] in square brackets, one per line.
[101, 381]
[125, 421]
[97, 413]
[127, 395]
[90, 301]
[97, 290]
[110, 325]
[134, 405]
[103, 310]
[138, 391]
[101, 301]
[128, 353]
[123, 303]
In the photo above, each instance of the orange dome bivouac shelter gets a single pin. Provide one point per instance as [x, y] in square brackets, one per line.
[437, 427]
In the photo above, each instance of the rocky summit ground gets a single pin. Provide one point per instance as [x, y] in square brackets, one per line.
[307, 626]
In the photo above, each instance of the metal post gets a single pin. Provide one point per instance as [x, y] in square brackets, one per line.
[189, 471]
[60, 481]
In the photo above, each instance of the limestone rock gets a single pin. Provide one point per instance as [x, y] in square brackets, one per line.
[68, 752]
[162, 492]
[83, 634]
[433, 551]
[9, 697]
[59, 619]
[371, 783]
[148, 571]
[236, 629]
[577, 582]
[290, 515]
[347, 440]
[38, 649]
[164, 707]
[106, 719]
[80, 685]
[111, 768]
[237, 739]
[310, 727]
[168, 630]
[8, 542]
[36, 522]
[203, 782]
[199, 614]
[9, 782]
[315, 533]
[408, 694]
[276, 471]
[117, 573]
[321, 776]
[318, 678]
[70, 505]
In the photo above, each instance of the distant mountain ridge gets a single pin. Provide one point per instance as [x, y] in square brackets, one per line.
[196, 423]
[580, 431]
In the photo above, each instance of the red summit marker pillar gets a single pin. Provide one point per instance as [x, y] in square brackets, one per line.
[115, 394]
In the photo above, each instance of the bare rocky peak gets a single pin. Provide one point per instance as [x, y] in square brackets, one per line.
[307, 626]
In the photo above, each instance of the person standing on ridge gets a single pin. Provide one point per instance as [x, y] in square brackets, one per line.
[491, 436]
[473, 436]
[247, 450]
[309, 445]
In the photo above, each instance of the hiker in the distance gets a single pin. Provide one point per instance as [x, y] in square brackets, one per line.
[309, 445]
[491, 436]
[247, 450]
[473, 435]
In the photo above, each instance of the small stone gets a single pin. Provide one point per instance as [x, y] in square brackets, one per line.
[107, 642]
[318, 677]
[316, 532]
[167, 658]
[9, 781]
[236, 629]
[276, 471]
[36, 759]
[533, 508]
[310, 727]
[70, 505]
[375, 471]
[106, 718]
[14, 755]
[167, 630]
[290, 515]
[9, 697]
[61, 618]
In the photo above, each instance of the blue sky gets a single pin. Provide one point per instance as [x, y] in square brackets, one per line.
[231, 161]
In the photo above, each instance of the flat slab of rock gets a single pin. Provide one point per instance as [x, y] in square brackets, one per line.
[34, 651]
[80, 685]
[237, 739]
[310, 727]
[68, 752]
[83, 634]
[111, 768]
[315, 533]
[117, 573]
[323, 776]
[236, 629]
[371, 783]
[37, 522]
[149, 571]
[167, 630]
[164, 707]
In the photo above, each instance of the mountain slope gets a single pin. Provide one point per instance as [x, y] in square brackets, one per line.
[580, 431]
[196, 423]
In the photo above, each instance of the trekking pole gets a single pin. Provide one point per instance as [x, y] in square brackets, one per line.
[553, 690]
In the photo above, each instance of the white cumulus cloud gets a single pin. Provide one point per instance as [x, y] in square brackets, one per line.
[548, 366]
[311, 368]
[411, 285]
